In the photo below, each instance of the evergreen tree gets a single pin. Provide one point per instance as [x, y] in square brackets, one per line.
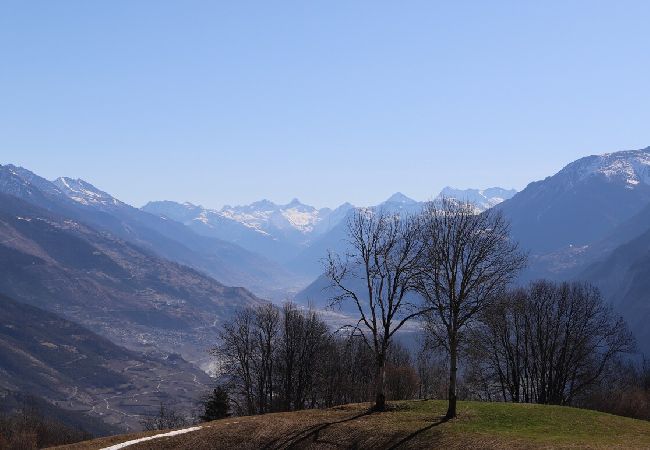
[216, 405]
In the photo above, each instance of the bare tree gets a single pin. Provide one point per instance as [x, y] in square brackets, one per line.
[285, 359]
[377, 275]
[468, 259]
[30, 428]
[550, 342]
[236, 352]
[267, 328]
[165, 418]
[402, 381]
[302, 339]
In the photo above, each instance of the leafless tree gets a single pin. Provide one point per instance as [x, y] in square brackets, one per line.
[624, 389]
[267, 328]
[302, 339]
[28, 428]
[378, 275]
[286, 359]
[236, 351]
[347, 371]
[165, 418]
[432, 370]
[468, 259]
[402, 379]
[550, 342]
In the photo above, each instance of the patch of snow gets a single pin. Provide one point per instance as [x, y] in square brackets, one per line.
[481, 198]
[302, 220]
[84, 193]
[629, 167]
[150, 438]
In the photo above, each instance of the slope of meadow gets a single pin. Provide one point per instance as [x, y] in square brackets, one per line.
[409, 424]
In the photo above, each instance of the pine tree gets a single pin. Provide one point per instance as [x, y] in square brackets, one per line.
[216, 405]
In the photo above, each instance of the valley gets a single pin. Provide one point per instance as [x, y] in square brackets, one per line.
[150, 280]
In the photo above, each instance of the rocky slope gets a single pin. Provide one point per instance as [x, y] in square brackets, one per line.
[115, 288]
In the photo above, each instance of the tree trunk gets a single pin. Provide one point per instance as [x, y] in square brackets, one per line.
[453, 369]
[380, 378]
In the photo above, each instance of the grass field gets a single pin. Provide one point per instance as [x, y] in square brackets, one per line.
[410, 424]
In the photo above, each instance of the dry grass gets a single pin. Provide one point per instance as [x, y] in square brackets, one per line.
[415, 424]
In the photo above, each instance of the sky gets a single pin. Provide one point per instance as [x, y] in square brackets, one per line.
[228, 102]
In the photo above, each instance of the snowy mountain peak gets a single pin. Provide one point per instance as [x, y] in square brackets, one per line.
[85, 193]
[266, 216]
[18, 179]
[263, 204]
[294, 221]
[630, 167]
[398, 197]
[482, 198]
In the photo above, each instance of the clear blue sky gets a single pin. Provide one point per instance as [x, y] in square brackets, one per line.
[227, 102]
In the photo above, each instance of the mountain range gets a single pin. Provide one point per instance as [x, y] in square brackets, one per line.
[77, 199]
[278, 232]
[296, 235]
[133, 296]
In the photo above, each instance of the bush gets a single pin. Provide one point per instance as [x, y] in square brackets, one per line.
[165, 419]
[28, 429]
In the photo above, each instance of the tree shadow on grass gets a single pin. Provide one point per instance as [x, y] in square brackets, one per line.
[417, 433]
[309, 433]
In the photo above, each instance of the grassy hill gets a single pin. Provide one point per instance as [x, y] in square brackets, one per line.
[410, 424]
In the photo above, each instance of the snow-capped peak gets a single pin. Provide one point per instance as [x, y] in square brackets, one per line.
[263, 204]
[482, 198]
[294, 221]
[265, 215]
[85, 193]
[631, 167]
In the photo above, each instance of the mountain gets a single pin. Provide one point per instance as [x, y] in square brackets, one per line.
[83, 378]
[575, 217]
[212, 223]
[482, 198]
[86, 194]
[623, 277]
[278, 232]
[113, 287]
[294, 235]
[292, 220]
[79, 200]
[591, 221]
[581, 203]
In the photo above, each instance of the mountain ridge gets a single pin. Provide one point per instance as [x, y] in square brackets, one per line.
[80, 200]
[293, 234]
[124, 293]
